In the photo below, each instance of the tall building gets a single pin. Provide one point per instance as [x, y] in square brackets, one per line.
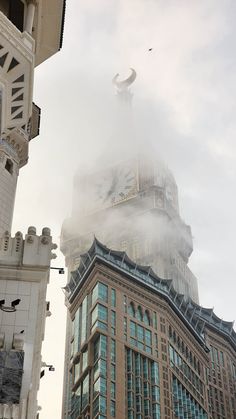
[131, 204]
[30, 32]
[139, 350]
[138, 344]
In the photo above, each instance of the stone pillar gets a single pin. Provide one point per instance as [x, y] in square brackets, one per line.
[30, 16]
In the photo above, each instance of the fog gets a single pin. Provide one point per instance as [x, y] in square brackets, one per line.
[183, 107]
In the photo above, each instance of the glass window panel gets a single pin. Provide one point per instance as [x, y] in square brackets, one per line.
[148, 337]
[140, 333]
[77, 372]
[84, 321]
[113, 390]
[113, 297]
[113, 372]
[85, 391]
[113, 350]
[77, 331]
[155, 320]
[113, 318]
[155, 373]
[132, 329]
[103, 404]
[84, 360]
[113, 408]
[99, 313]
[139, 314]
[100, 292]
[146, 318]
[131, 310]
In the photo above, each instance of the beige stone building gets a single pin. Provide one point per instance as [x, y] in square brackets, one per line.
[31, 31]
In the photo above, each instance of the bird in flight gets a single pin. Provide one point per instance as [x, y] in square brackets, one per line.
[150, 49]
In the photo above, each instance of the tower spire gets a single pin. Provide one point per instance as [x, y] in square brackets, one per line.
[122, 87]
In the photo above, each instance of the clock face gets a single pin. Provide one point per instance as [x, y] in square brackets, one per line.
[115, 185]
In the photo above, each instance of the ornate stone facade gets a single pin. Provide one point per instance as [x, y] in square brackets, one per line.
[30, 32]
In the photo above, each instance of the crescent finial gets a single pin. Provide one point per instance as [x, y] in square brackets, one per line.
[124, 84]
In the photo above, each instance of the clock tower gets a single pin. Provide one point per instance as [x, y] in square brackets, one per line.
[132, 205]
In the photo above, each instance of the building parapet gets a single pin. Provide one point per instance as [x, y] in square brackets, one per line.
[33, 250]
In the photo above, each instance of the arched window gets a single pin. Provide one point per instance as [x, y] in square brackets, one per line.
[146, 318]
[139, 314]
[131, 309]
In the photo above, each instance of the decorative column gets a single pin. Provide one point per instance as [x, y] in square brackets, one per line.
[31, 5]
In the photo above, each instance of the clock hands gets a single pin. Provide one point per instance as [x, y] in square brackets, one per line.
[112, 188]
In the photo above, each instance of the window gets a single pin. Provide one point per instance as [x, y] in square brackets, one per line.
[100, 387]
[84, 321]
[140, 337]
[113, 322]
[125, 304]
[113, 372]
[76, 372]
[131, 310]
[85, 391]
[99, 317]
[76, 331]
[100, 406]
[113, 408]
[100, 348]
[84, 360]
[100, 368]
[146, 318]
[113, 297]
[113, 390]
[155, 373]
[76, 401]
[113, 350]
[100, 292]
[142, 383]
[139, 314]
[9, 166]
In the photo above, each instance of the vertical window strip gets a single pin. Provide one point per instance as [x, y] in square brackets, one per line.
[142, 386]
[113, 297]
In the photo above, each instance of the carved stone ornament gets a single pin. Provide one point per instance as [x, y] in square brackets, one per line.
[44, 240]
[30, 239]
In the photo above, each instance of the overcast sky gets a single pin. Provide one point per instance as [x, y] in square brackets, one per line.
[184, 103]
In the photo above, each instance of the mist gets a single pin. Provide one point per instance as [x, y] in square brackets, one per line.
[183, 107]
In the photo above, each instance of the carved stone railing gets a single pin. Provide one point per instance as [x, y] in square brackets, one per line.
[16, 82]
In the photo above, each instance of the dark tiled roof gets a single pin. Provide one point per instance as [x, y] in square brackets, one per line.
[194, 316]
